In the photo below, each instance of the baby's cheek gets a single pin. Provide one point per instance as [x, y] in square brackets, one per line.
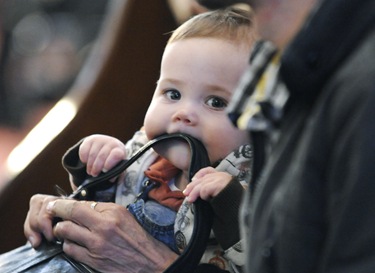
[150, 129]
[221, 150]
[216, 156]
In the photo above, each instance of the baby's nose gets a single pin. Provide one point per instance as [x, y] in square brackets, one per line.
[186, 115]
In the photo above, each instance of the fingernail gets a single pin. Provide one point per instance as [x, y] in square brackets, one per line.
[50, 205]
[31, 239]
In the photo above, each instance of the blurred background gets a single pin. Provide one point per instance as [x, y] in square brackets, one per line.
[43, 46]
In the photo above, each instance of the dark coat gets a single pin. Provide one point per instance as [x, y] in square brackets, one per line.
[313, 209]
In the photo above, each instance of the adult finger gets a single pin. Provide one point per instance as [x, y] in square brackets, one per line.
[78, 252]
[67, 230]
[30, 225]
[116, 243]
[38, 221]
[80, 212]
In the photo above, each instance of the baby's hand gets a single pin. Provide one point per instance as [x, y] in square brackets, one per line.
[206, 183]
[101, 153]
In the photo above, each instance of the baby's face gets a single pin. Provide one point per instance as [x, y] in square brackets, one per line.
[197, 80]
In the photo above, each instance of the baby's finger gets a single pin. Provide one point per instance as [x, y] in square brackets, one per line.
[83, 151]
[191, 186]
[98, 164]
[193, 193]
[91, 156]
[202, 172]
[116, 155]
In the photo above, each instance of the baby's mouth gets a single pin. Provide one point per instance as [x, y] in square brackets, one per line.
[165, 145]
[179, 132]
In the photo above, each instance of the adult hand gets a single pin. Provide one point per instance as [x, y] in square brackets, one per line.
[38, 221]
[206, 183]
[106, 237]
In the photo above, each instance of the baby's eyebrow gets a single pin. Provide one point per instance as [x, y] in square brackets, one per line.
[168, 80]
[218, 89]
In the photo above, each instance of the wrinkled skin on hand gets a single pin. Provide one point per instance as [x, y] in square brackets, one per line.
[38, 223]
[108, 238]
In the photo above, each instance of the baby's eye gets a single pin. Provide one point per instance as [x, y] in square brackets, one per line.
[217, 103]
[173, 94]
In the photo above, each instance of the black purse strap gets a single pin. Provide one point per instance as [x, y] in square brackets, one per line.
[203, 215]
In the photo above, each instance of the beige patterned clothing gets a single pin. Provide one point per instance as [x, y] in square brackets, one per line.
[238, 164]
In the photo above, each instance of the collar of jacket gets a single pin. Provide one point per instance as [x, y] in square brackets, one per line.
[332, 32]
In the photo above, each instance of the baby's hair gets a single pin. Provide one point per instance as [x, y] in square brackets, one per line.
[229, 24]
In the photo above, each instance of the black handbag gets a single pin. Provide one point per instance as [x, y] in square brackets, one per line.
[49, 257]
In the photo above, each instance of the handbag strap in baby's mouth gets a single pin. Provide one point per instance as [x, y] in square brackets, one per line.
[203, 215]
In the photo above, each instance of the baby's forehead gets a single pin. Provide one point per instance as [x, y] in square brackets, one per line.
[210, 46]
[212, 61]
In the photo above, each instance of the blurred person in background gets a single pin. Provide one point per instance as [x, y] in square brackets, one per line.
[312, 208]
